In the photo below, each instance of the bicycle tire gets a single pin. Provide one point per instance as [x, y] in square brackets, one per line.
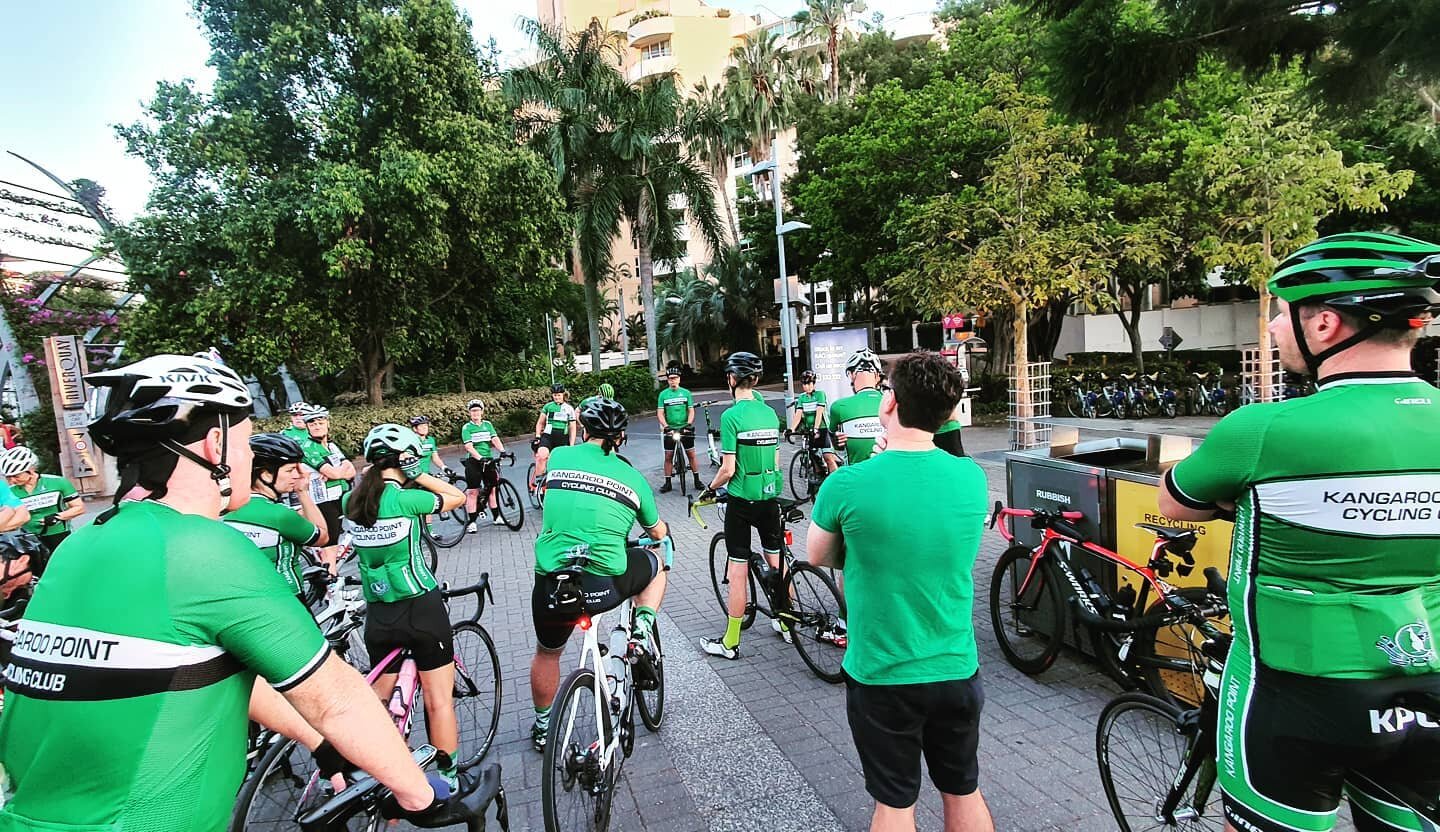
[512, 508]
[1170, 659]
[449, 526]
[1046, 607]
[432, 553]
[720, 581]
[352, 649]
[1133, 798]
[798, 464]
[819, 609]
[564, 767]
[281, 789]
[652, 702]
[477, 691]
[534, 493]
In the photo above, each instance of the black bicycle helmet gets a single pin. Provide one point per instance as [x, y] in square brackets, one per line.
[557, 388]
[807, 377]
[603, 418]
[1387, 281]
[17, 544]
[416, 421]
[673, 370]
[744, 365]
[273, 450]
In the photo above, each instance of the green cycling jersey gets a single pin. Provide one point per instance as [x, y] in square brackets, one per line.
[591, 498]
[50, 496]
[279, 532]
[810, 405]
[858, 417]
[479, 437]
[750, 431]
[324, 453]
[392, 560]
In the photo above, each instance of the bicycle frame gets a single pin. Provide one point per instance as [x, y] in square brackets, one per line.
[713, 453]
[593, 657]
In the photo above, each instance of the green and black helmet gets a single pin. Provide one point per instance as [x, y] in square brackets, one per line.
[1387, 281]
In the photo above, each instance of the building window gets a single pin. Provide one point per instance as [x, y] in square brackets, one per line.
[660, 49]
[822, 304]
[741, 160]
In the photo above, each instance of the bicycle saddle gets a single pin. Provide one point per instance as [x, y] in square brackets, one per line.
[1179, 541]
[1201, 376]
[1128, 376]
[1153, 376]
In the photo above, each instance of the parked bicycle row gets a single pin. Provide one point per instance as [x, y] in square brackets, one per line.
[1126, 395]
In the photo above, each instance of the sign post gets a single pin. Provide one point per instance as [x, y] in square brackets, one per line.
[1170, 339]
[830, 348]
[80, 460]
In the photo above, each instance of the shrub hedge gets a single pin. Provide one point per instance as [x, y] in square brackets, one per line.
[513, 411]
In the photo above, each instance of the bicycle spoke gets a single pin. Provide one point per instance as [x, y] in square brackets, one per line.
[576, 787]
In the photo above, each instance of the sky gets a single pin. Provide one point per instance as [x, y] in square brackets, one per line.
[75, 68]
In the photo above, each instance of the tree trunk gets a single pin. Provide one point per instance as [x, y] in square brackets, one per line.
[833, 47]
[374, 366]
[646, 268]
[1130, 319]
[462, 381]
[719, 174]
[1024, 412]
[592, 302]
[1263, 363]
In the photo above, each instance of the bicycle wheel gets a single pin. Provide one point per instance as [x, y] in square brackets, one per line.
[652, 699]
[448, 527]
[477, 692]
[1170, 658]
[680, 467]
[1030, 627]
[530, 487]
[719, 579]
[800, 476]
[818, 628]
[512, 510]
[285, 785]
[1140, 750]
[350, 646]
[573, 787]
[432, 554]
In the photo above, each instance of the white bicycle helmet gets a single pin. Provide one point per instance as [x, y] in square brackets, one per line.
[474, 403]
[315, 411]
[18, 460]
[391, 439]
[863, 361]
[298, 408]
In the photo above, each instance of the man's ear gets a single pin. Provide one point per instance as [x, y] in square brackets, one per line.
[210, 449]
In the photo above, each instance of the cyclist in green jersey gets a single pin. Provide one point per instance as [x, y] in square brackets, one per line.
[593, 499]
[137, 662]
[482, 465]
[554, 429]
[335, 471]
[278, 531]
[405, 605]
[429, 446]
[1333, 683]
[675, 410]
[51, 501]
[856, 418]
[812, 416]
[750, 442]
[297, 429]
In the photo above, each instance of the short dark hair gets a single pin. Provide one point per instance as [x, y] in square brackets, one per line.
[927, 388]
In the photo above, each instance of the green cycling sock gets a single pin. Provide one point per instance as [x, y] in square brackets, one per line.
[644, 621]
[542, 717]
[732, 634]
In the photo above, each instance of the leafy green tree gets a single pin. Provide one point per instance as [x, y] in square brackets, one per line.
[348, 196]
[762, 83]
[713, 135]
[825, 20]
[720, 309]
[564, 104]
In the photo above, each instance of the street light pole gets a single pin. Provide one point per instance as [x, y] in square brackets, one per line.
[785, 311]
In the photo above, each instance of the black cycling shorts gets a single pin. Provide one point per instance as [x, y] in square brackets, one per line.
[602, 594]
[1305, 741]
[420, 624]
[550, 440]
[330, 510]
[687, 438]
[950, 441]
[743, 515]
[895, 725]
[480, 473]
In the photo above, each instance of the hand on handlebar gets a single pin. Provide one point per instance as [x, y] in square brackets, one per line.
[392, 809]
[535, 444]
[450, 474]
[666, 545]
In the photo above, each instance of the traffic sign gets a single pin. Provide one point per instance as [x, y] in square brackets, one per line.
[1170, 339]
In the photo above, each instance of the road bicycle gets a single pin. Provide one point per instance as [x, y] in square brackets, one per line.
[712, 452]
[678, 458]
[592, 726]
[807, 467]
[450, 527]
[366, 798]
[801, 598]
[339, 610]
[1038, 594]
[285, 784]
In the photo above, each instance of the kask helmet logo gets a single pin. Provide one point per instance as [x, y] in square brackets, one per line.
[1412, 645]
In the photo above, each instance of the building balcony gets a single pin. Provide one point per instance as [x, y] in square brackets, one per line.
[650, 68]
[642, 33]
[909, 28]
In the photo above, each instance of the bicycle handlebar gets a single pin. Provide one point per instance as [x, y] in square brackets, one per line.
[476, 795]
[1039, 518]
[480, 589]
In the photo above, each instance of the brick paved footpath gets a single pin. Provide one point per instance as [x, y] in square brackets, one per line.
[761, 743]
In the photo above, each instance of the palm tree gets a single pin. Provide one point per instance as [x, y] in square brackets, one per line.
[761, 87]
[644, 167]
[562, 106]
[720, 308]
[713, 135]
[826, 19]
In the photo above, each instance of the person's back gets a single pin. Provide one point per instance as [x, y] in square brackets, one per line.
[392, 559]
[99, 706]
[912, 522]
[592, 498]
[278, 532]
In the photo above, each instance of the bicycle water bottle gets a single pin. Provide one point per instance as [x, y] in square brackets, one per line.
[615, 664]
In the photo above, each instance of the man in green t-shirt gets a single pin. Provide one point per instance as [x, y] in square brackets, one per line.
[675, 410]
[906, 528]
[593, 499]
[336, 472]
[138, 661]
[750, 443]
[1334, 582]
[482, 468]
[52, 501]
[812, 416]
[856, 418]
[280, 532]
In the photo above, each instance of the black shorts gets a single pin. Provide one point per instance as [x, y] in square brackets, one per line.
[420, 624]
[550, 440]
[602, 594]
[330, 510]
[950, 441]
[895, 725]
[1301, 743]
[743, 515]
[480, 473]
[687, 438]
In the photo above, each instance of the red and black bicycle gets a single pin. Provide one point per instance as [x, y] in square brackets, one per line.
[1148, 637]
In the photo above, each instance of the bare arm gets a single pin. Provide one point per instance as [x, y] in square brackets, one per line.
[75, 508]
[311, 512]
[1172, 508]
[343, 709]
[690, 415]
[726, 472]
[540, 425]
[659, 531]
[450, 496]
[822, 548]
[343, 471]
[270, 709]
[12, 518]
[497, 444]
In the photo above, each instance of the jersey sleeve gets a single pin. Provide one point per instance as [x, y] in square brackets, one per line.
[728, 439]
[241, 603]
[648, 515]
[419, 501]
[293, 527]
[1224, 464]
[66, 489]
